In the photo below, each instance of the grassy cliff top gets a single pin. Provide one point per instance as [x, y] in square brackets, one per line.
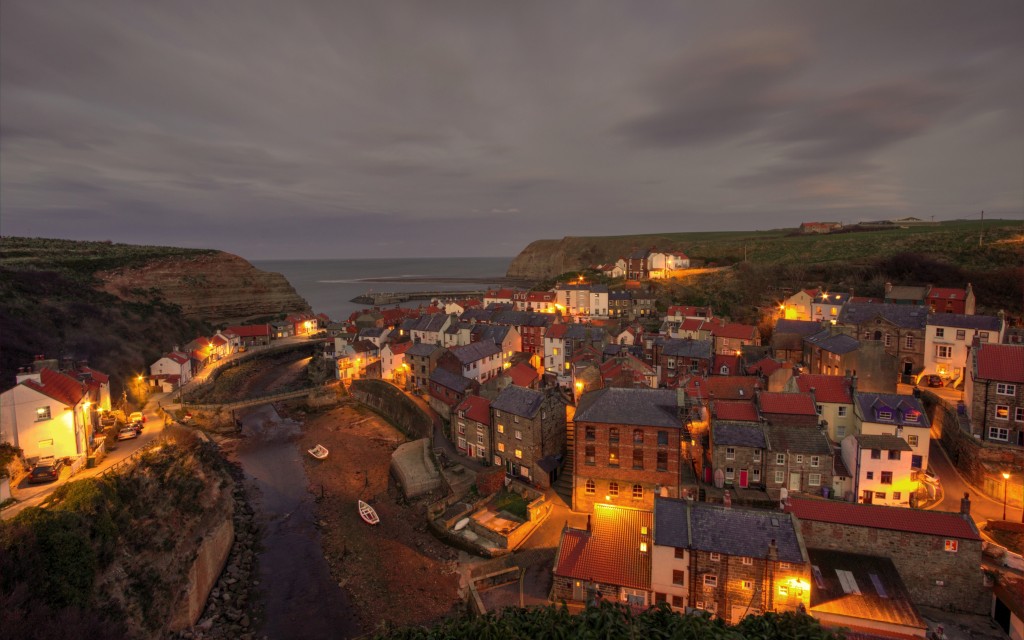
[82, 257]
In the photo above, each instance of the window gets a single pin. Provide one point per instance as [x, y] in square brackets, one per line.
[462, 428]
[678, 602]
[710, 581]
[1018, 414]
[730, 453]
[840, 431]
[885, 415]
[909, 342]
[519, 453]
[613, 456]
[519, 434]
[952, 546]
[716, 557]
[613, 489]
[886, 477]
[876, 454]
[662, 461]
[638, 492]
[943, 351]
[818, 409]
[784, 566]
[638, 436]
[815, 460]
[896, 495]
[1005, 389]
[799, 459]
[591, 433]
[1002, 412]
[814, 479]
[998, 433]
[888, 340]
[841, 412]
[501, 428]
[43, 413]
[515, 419]
[589, 457]
[613, 434]
[746, 561]
[780, 458]
[940, 332]
[590, 488]
[663, 438]
[912, 440]
[880, 495]
[783, 590]
[671, 363]
[730, 473]
[680, 552]
[462, 443]
[894, 455]
[638, 458]
[870, 475]
[780, 477]
[748, 585]
[755, 475]
[757, 455]
[678, 577]
[501, 447]
[961, 334]
[660, 597]
[983, 336]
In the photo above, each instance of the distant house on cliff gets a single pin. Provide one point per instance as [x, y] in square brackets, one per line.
[820, 227]
[251, 335]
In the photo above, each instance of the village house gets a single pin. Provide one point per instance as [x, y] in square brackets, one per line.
[902, 416]
[303, 324]
[471, 424]
[730, 337]
[948, 339]
[174, 368]
[789, 409]
[665, 264]
[251, 335]
[478, 361]
[798, 305]
[581, 300]
[950, 300]
[826, 307]
[499, 296]
[730, 562]
[788, 338]
[833, 397]
[900, 328]
[994, 393]
[608, 561]
[881, 469]
[376, 335]
[644, 304]
[49, 413]
[620, 304]
[905, 294]
[799, 461]
[422, 358]
[636, 265]
[428, 329]
[738, 450]
[561, 341]
[627, 371]
[505, 336]
[457, 334]
[676, 359]
[833, 353]
[627, 447]
[680, 312]
[446, 390]
[937, 553]
[528, 433]
[392, 361]
[280, 329]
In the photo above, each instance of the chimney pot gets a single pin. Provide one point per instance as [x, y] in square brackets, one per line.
[965, 504]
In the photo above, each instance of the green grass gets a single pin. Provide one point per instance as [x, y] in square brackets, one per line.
[512, 502]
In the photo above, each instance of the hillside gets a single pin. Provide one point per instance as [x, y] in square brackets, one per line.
[119, 306]
[954, 241]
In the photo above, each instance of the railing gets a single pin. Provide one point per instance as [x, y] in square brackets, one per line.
[249, 402]
[131, 459]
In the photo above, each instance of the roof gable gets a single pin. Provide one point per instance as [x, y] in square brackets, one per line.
[62, 388]
[609, 553]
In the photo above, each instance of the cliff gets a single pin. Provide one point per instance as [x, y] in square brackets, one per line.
[219, 288]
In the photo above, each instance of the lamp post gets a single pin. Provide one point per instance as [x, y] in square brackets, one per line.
[1006, 482]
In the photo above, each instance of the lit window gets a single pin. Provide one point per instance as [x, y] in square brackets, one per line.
[748, 585]
[501, 447]
[952, 546]
[710, 581]
[638, 492]
[501, 428]
[519, 453]
[590, 487]
[43, 413]
[1002, 412]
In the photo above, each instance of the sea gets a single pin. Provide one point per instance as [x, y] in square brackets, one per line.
[329, 285]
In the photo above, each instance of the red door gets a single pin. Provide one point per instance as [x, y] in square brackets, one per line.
[743, 478]
[707, 474]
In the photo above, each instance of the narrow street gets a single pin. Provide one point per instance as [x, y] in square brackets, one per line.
[953, 488]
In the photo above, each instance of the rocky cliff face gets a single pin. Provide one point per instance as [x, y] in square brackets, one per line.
[215, 287]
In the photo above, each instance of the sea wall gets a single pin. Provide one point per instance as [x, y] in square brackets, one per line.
[210, 560]
[393, 404]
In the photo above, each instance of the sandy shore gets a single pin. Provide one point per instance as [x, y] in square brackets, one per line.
[396, 573]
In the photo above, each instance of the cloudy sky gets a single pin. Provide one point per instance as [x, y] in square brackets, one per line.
[365, 129]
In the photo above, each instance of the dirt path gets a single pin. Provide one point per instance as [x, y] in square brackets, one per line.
[396, 573]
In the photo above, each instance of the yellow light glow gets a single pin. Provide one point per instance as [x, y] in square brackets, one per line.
[579, 386]
[608, 498]
[1006, 476]
[643, 547]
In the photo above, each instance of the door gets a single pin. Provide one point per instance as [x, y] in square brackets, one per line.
[743, 478]
[579, 592]
[794, 481]
[908, 368]
[868, 495]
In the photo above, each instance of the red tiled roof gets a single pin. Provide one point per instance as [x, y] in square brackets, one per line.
[789, 403]
[540, 296]
[727, 387]
[767, 366]
[62, 388]
[476, 408]
[731, 362]
[723, 329]
[685, 310]
[219, 340]
[947, 293]
[834, 389]
[693, 324]
[523, 375]
[177, 356]
[501, 294]
[744, 410]
[398, 348]
[1002, 362]
[556, 331]
[610, 552]
[97, 376]
[250, 330]
[934, 523]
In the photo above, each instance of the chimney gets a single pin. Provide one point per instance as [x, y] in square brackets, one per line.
[965, 504]
[773, 550]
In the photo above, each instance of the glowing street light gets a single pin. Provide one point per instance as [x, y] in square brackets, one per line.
[1006, 482]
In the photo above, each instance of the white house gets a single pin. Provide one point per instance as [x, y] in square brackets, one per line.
[898, 415]
[429, 328]
[826, 307]
[662, 264]
[47, 414]
[554, 349]
[798, 305]
[478, 361]
[880, 465]
[582, 300]
[175, 366]
[948, 338]
[392, 360]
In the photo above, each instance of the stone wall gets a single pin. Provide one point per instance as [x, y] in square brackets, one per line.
[933, 576]
[393, 404]
[206, 568]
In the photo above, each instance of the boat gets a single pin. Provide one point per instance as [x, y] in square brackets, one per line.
[368, 513]
[461, 524]
[319, 452]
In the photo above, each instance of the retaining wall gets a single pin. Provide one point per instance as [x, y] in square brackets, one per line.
[392, 403]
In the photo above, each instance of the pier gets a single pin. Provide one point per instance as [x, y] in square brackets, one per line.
[383, 298]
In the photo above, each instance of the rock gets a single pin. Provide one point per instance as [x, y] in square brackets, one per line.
[244, 621]
[206, 624]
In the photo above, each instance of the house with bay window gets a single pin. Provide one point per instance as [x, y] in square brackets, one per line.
[947, 342]
[994, 393]
[902, 416]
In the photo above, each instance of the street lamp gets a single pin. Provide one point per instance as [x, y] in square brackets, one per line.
[1006, 481]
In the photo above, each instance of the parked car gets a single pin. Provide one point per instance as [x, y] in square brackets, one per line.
[107, 419]
[46, 470]
[930, 476]
[934, 381]
[136, 417]
[127, 433]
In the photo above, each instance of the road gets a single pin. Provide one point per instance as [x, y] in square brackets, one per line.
[29, 495]
[953, 486]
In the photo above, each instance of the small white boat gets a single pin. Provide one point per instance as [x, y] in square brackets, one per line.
[461, 524]
[319, 452]
[368, 513]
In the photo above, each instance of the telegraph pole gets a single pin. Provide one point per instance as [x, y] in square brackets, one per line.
[981, 236]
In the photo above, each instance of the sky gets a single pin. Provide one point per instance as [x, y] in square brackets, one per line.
[354, 129]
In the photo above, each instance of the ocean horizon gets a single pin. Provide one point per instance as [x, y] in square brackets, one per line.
[328, 285]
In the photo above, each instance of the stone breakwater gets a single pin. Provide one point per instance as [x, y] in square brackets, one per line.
[232, 610]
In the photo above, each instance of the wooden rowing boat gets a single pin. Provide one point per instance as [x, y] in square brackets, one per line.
[368, 513]
[319, 452]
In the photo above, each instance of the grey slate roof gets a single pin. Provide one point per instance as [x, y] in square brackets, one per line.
[479, 315]
[618, 295]
[450, 380]
[583, 333]
[495, 333]
[743, 532]
[737, 435]
[805, 440]
[671, 527]
[839, 343]
[687, 348]
[422, 349]
[475, 351]
[641, 407]
[963, 321]
[883, 442]
[902, 315]
[518, 401]
[869, 404]
[799, 327]
[883, 596]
